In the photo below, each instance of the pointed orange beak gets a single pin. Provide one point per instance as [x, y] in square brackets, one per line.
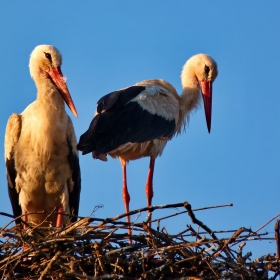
[206, 89]
[58, 79]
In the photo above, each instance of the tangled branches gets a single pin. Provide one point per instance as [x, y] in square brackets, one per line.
[93, 248]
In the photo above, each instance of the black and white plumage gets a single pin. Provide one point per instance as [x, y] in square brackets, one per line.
[138, 121]
[122, 118]
[40, 147]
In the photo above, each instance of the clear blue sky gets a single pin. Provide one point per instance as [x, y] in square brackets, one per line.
[107, 45]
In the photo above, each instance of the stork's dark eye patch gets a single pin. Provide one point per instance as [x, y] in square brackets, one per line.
[48, 56]
[207, 70]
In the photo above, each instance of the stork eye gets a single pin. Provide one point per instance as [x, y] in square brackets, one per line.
[206, 69]
[49, 57]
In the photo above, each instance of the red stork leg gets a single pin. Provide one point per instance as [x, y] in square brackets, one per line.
[149, 185]
[125, 194]
[24, 219]
[25, 247]
[59, 216]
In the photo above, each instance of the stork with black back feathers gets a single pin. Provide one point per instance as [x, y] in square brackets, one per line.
[40, 148]
[137, 121]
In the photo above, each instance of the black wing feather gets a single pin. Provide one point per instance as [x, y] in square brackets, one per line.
[13, 194]
[74, 196]
[119, 98]
[109, 103]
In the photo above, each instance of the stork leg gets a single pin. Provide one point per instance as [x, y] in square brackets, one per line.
[149, 184]
[25, 247]
[59, 216]
[24, 219]
[125, 194]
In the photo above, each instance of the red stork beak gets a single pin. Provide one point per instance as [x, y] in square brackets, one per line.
[58, 79]
[206, 89]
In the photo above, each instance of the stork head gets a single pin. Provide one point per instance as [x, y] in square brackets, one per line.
[45, 62]
[203, 70]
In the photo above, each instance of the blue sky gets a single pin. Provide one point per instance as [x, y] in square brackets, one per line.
[107, 45]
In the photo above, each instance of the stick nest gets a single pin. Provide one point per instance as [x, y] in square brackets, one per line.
[94, 249]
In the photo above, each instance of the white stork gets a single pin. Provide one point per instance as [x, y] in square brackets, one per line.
[137, 121]
[42, 161]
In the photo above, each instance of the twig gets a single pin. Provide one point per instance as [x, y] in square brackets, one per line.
[196, 221]
[197, 209]
[44, 273]
[268, 222]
